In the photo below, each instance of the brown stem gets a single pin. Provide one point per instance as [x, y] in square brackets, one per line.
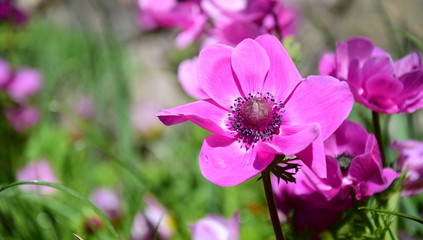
[271, 204]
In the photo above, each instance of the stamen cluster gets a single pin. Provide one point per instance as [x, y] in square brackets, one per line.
[344, 160]
[255, 118]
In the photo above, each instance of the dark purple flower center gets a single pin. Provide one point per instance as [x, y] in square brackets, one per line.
[255, 118]
[344, 160]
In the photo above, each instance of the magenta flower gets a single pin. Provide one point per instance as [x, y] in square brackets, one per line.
[215, 227]
[39, 170]
[411, 161]
[186, 15]
[22, 117]
[358, 156]
[259, 107]
[154, 220]
[25, 83]
[108, 201]
[354, 168]
[376, 81]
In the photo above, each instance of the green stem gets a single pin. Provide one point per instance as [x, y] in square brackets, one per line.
[271, 204]
[378, 134]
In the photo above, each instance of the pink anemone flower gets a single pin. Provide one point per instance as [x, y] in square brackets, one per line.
[186, 15]
[376, 81]
[259, 107]
[410, 160]
[360, 165]
[215, 227]
[354, 169]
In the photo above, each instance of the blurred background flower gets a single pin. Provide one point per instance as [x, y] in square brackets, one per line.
[37, 170]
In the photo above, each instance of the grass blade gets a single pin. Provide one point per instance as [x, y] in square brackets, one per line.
[416, 219]
[72, 193]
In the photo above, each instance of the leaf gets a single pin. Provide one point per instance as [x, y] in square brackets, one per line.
[72, 193]
[399, 214]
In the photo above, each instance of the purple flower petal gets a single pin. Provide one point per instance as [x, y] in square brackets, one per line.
[389, 176]
[411, 97]
[327, 64]
[384, 86]
[313, 157]
[407, 64]
[349, 138]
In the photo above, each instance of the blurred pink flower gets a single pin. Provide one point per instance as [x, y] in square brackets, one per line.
[354, 169]
[144, 120]
[141, 228]
[215, 227]
[155, 216]
[260, 106]
[10, 13]
[25, 83]
[39, 170]
[376, 81]
[5, 74]
[22, 117]
[187, 76]
[84, 108]
[108, 201]
[411, 161]
[186, 15]
[236, 21]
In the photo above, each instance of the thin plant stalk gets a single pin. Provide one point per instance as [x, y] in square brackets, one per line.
[378, 134]
[271, 204]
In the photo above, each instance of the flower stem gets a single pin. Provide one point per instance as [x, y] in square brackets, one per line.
[271, 204]
[378, 134]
